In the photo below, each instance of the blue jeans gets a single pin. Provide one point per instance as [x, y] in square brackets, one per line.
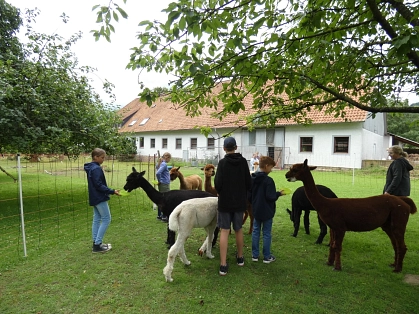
[101, 221]
[266, 227]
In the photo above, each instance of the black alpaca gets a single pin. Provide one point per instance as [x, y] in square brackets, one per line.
[166, 200]
[301, 203]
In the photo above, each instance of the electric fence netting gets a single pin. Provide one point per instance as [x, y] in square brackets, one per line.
[52, 207]
[44, 202]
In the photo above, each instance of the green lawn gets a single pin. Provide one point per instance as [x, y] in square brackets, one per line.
[61, 275]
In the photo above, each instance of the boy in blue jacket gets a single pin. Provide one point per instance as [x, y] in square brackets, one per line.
[98, 198]
[263, 198]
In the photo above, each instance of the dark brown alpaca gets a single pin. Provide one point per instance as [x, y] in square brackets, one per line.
[389, 212]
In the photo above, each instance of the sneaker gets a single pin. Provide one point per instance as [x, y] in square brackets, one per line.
[101, 248]
[255, 259]
[223, 270]
[240, 260]
[165, 219]
[270, 259]
[158, 217]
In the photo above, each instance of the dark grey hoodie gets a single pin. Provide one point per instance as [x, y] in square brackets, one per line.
[398, 177]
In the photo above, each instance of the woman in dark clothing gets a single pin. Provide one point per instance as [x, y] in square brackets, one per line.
[398, 176]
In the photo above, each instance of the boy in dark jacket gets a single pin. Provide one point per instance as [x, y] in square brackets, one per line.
[232, 182]
[263, 197]
[98, 198]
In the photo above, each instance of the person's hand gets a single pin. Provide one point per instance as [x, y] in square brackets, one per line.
[117, 193]
[386, 193]
[281, 192]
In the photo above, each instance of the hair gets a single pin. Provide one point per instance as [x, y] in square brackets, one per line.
[266, 161]
[98, 152]
[397, 150]
[167, 155]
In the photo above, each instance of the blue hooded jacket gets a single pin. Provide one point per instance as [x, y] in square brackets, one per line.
[98, 189]
[263, 196]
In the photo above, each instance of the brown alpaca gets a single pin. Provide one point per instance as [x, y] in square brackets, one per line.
[209, 172]
[192, 182]
[389, 212]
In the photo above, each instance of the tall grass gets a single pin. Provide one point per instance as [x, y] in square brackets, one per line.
[61, 275]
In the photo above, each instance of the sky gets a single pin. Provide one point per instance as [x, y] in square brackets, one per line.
[110, 59]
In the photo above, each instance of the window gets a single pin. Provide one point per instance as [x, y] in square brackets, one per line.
[164, 143]
[141, 142]
[210, 143]
[341, 144]
[252, 138]
[194, 142]
[306, 144]
[132, 123]
[178, 143]
[152, 143]
[144, 121]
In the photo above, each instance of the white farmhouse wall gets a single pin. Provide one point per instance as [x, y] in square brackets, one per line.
[186, 136]
[374, 146]
[376, 125]
[322, 154]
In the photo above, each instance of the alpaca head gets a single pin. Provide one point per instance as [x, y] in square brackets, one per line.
[209, 170]
[134, 180]
[174, 173]
[298, 171]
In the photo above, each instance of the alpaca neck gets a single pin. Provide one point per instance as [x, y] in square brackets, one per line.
[181, 178]
[207, 183]
[154, 195]
[313, 194]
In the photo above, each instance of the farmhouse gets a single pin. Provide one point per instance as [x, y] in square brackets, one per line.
[328, 142]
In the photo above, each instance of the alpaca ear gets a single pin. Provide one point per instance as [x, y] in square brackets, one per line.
[178, 168]
[133, 169]
[305, 163]
[142, 173]
[312, 168]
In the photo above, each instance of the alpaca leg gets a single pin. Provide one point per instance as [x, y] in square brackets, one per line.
[387, 229]
[210, 235]
[331, 258]
[323, 231]
[296, 219]
[338, 239]
[171, 256]
[183, 257]
[396, 236]
[170, 237]
[214, 240]
[307, 221]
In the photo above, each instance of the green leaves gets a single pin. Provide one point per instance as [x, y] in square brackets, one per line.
[321, 54]
[47, 105]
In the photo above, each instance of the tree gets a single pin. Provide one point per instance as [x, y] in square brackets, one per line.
[292, 56]
[404, 124]
[46, 101]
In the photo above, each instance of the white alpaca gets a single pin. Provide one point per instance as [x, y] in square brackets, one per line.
[193, 213]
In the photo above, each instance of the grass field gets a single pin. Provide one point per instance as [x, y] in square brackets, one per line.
[61, 275]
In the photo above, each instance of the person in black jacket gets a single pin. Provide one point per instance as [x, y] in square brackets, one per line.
[232, 182]
[398, 176]
[98, 198]
[263, 198]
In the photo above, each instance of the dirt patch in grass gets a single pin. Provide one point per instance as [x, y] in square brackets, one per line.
[412, 279]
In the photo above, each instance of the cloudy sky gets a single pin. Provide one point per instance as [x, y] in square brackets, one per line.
[110, 59]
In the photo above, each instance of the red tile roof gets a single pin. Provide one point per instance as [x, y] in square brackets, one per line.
[165, 116]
